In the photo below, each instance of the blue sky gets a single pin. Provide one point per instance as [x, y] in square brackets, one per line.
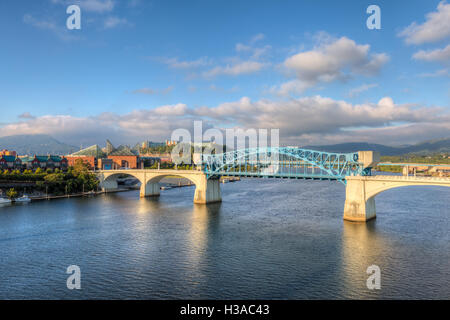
[140, 69]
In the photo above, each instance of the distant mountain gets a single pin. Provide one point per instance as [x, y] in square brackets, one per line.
[433, 146]
[38, 144]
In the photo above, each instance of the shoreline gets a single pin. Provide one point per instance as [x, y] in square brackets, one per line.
[167, 186]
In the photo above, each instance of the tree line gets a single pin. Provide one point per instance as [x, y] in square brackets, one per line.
[76, 179]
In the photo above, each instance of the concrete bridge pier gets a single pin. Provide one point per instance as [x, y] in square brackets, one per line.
[361, 192]
[207, 191]
[358, 207]
[151, 189]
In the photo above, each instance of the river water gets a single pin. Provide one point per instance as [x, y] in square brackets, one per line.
[268, 239]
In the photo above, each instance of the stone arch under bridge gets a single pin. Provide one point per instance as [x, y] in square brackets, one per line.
[206, 190]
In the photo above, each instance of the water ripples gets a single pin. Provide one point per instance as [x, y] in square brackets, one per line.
[268, 239]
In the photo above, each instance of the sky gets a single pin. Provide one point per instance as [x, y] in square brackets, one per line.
[137, 70]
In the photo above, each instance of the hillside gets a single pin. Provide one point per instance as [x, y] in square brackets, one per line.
[38, 144]
[43, 144]
[427, 147]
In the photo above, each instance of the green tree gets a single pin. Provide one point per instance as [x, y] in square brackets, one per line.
[11, 194]
[80, 166]
[54, 178]
[154, 166]
[55, 182]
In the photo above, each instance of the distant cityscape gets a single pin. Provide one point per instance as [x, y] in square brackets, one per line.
[33, 151]
[143, 155]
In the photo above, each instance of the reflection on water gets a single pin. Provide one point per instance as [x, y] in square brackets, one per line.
[202, 225]
[361, 248]
[268, 239]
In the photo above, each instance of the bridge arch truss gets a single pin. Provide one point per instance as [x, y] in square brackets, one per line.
[283, 162]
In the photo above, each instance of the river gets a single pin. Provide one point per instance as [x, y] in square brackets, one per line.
[268, 239]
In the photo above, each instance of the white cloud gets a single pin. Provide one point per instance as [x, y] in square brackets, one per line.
[234, 69]
[112, 22]
[337, 60]
[260, 52]
[150, 91]
[175, 63]
[60, 31]
[256, 52]
[26, 115]
[435, 28]
[319, 120]
[308, 120]
[215, 88]
[98, 6]
[293, 87]
[258, 37]
[179, 109]
[313, 114]
[242, 47]
[358, 90]
[435, 74]
[249, 60]
[437, 55]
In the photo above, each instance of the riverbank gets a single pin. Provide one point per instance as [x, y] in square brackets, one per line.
[166, 184]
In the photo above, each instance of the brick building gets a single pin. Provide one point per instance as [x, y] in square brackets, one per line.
[107, 158]
[91, 161]
[90, 156]
[106, 164]
[8, 153]
[123, 157]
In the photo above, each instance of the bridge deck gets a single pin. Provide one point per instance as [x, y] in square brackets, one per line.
[404, 164]
[402, 178]
[161, 171]
[278, 175]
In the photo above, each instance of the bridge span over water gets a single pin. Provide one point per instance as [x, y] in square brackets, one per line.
[352, 169]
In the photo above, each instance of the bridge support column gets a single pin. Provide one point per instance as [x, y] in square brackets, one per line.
[357, 207]
[207, 191]
[150, 190]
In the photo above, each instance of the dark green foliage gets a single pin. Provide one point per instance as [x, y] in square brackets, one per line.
[76, 179]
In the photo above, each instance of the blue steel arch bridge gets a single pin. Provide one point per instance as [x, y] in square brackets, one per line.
[284, 162]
